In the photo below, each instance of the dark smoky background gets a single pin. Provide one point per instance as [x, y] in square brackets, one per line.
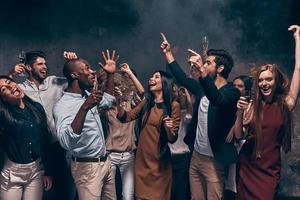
[253, 32]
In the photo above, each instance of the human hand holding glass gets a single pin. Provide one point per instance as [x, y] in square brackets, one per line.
[20, 68]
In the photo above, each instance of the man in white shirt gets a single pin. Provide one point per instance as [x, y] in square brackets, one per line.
[47, 90]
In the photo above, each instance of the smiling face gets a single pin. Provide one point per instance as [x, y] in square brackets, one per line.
[10, 92]
[39, 69]
[266, 84]
[85, 75]
[155, 83]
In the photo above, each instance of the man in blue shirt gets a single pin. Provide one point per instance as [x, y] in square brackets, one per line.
[79, 128]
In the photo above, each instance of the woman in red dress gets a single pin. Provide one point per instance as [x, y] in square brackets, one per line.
[268, 125]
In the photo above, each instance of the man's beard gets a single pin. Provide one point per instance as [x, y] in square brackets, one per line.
[38, 77]
[213, 76]
[84, 86]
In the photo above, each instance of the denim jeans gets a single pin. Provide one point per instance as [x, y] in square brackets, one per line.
[125, 162]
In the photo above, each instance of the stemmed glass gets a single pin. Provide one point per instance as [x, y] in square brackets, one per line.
[204, 43]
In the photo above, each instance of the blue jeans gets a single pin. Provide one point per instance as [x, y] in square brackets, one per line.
[125, 162]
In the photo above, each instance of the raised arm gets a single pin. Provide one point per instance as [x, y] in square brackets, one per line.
[130, 115]
[292, 96]
[69, 55]
[214, 95]
[125, 68]
[109, 67]
[189, 83]
[18, 69]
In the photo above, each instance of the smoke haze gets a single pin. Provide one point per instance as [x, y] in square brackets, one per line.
[253, 31]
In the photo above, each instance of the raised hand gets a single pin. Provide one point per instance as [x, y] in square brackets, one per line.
[136, 100]
[118, 93]
[296, 30]
[69, 55]
[242, 103]
[165, 45]
[93, 99]
[196, 60]
[110, 61]
[125, 68]
[166, 49]
[18, 69]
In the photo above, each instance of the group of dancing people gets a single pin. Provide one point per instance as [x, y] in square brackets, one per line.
[188, 136]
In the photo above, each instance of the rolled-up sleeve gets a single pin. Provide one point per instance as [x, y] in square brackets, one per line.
[107, 101]
[65, 134]
[64, 113]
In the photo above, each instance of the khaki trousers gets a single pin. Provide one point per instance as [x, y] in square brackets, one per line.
[206, 178]
[94, 180]
[22, 181]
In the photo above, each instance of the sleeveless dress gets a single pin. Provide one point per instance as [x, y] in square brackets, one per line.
[259, 177]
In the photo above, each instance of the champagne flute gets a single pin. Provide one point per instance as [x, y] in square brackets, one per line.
[205, 43]
[22, 57]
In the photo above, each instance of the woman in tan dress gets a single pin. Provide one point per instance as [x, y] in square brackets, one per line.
[160, 118]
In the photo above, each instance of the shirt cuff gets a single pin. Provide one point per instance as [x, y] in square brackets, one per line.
[71, 133]
[107, 101]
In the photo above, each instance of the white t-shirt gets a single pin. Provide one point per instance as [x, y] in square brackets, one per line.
[202, 144]
[179, 146]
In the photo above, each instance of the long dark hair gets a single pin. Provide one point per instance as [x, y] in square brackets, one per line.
[247, 80]
[8, 119]
[281, 90]
[167, 90]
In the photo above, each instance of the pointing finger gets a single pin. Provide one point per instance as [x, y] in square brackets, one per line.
[164, 37]
[293, 27]
[193, 52]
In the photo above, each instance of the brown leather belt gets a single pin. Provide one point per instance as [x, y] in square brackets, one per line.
[100, 159]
